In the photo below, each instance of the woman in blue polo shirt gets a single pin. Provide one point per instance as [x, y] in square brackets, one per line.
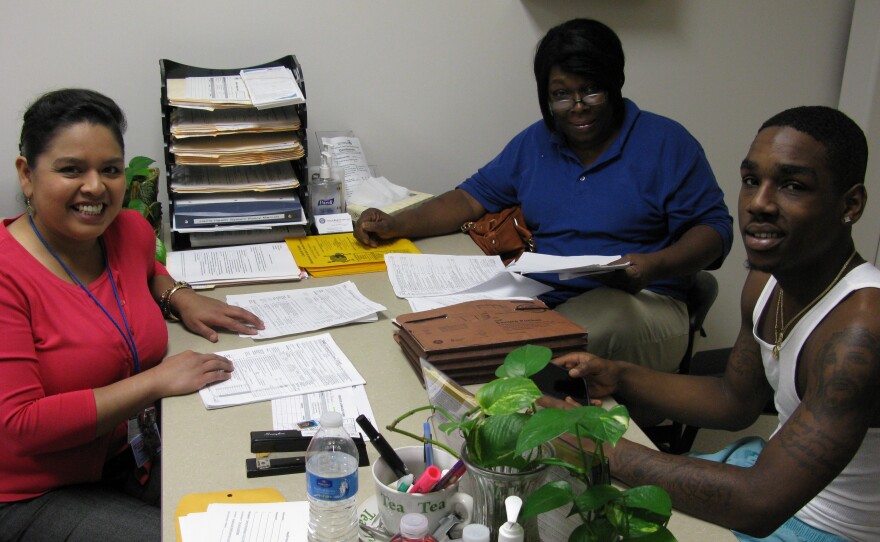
[597, 176]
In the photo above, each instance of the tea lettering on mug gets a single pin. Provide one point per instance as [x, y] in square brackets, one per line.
[391, 505]
[432, 506]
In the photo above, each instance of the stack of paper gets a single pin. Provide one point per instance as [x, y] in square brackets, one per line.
[275, 176]
[238, 150]
[195, 122]
[272, 87]
[209, 93]
[302, 310]
[342, 254]
[244, 264]
[282, 369]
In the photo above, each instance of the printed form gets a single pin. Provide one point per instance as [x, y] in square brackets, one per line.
[287, 312]
[260, 522]
[282, 369]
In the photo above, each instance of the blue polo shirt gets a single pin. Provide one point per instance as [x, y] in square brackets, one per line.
[649, 187]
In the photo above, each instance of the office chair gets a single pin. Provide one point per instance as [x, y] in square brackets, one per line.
[675, 437]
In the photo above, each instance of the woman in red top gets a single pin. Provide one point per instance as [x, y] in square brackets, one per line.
[84, 338]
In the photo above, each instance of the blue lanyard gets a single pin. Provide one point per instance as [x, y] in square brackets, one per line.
[126, 334]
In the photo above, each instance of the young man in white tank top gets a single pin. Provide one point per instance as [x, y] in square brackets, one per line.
[809, 339]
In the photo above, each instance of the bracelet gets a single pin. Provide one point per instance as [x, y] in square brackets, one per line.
[165, 299]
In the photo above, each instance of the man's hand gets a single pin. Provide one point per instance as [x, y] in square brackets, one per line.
[374, 226]
[601, 374]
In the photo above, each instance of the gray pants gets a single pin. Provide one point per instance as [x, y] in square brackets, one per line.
[647, 328]
[120, 510]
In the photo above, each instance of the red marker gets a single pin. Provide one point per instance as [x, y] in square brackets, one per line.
[427, 480]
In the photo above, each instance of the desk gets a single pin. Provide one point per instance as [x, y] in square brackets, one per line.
[205, 451]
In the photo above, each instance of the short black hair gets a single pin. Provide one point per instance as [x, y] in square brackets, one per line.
[61, 108]
[584, 47]
[846, 148]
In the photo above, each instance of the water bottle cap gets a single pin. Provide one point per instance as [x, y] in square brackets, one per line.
[331, 419]
[475, 532]
[413, 525]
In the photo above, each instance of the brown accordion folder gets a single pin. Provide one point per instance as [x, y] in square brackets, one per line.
[468, 341]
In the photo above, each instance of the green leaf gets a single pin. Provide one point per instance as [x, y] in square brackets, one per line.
[524, 361]
[596, 497]
[605, 425]
[583, 533]
[493, 441]
[148, 190]
[548, 497]
[545, 425]
[139, 166]
[138, 206]
[651, 498]
[660, 534]
[507, 395]
[161, 253]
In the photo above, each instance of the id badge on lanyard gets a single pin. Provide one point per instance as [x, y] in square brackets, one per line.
[143, 436]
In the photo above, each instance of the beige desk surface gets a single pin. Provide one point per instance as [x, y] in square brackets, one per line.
[205, 451]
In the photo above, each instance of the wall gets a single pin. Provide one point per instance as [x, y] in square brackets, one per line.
[435, 88]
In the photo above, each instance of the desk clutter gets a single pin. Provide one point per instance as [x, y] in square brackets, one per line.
[469, 340]
[235, 152]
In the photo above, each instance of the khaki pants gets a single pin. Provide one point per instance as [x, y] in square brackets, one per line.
[646, 328]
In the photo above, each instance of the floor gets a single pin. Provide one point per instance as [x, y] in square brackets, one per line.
[710, 440]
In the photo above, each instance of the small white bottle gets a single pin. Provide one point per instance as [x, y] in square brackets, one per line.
[326, 194]
[475, 532]
[511, 531]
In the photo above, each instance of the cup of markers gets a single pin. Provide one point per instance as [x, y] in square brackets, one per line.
[431, 490]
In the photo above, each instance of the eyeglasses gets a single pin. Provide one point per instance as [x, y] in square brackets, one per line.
[564, 101]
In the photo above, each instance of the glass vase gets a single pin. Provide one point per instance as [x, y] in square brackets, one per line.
[491, 486]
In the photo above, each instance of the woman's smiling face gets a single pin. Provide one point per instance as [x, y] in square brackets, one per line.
[584, 127]
[77, 184]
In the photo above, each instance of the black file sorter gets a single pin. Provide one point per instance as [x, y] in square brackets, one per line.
[175, 70]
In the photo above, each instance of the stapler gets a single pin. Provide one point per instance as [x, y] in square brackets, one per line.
[284, 452]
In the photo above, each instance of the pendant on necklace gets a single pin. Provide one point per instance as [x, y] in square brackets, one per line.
[775, 351]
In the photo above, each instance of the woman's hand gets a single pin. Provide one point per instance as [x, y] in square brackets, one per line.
[632, 278]
[201, 315]
[190, 371]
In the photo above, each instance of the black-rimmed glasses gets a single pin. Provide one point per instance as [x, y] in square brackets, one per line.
[565, 102]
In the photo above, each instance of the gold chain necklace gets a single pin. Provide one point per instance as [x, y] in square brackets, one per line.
[781, 327]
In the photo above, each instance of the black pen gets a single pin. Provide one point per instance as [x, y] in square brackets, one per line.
[385, 450]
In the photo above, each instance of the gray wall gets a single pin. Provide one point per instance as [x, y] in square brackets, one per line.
[435, 88]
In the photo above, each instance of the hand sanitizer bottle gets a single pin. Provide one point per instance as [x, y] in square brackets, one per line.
[326, 194]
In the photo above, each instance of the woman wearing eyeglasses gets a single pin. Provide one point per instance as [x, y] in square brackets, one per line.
[597, 176]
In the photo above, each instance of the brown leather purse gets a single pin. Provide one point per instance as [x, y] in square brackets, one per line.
[504, 233]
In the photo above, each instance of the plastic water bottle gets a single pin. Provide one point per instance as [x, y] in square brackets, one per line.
[332, 482]
[413, 528]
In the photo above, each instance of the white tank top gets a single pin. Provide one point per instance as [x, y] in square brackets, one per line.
[850, 505]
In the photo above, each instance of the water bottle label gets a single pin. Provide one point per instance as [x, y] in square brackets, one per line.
[332, 489]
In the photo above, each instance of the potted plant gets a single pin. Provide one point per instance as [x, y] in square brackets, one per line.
[507, 431]
[142, 195]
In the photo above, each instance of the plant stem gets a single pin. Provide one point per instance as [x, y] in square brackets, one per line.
[420, 438]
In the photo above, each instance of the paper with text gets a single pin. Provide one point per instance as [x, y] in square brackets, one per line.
[237, 264]
[259, 522]
[298, 411]
[282, 369]
[287, 312]
[423, 275]
[531, 262]
[501, 286]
